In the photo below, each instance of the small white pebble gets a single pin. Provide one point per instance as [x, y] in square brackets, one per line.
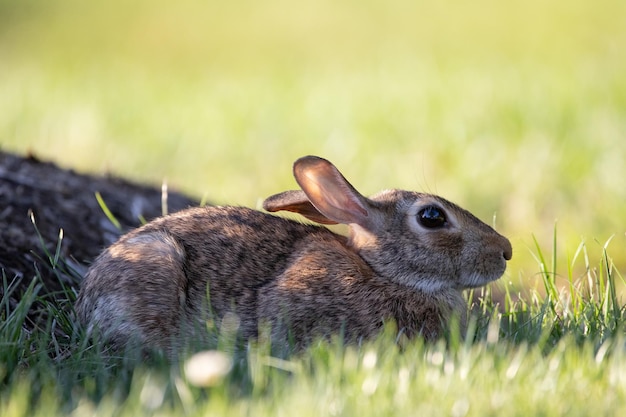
[207, 368]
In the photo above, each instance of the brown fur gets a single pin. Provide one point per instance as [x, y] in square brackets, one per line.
[160, 283]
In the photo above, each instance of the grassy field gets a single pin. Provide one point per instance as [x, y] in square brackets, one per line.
[516, 111]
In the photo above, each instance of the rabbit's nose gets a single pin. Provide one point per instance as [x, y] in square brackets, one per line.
[507, 249]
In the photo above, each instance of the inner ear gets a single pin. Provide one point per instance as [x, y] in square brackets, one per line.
[295, 202]
[330, 193]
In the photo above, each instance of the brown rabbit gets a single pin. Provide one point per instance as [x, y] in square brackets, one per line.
[407, 258]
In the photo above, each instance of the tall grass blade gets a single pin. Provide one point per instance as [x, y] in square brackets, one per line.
[548, 278]
[107, 212]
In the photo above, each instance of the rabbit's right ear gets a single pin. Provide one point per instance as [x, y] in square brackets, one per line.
[330, 193]
[296, 202]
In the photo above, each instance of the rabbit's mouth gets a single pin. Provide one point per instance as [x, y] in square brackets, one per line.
[476, 279]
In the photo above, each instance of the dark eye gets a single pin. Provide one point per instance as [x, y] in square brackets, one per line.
[431, 217]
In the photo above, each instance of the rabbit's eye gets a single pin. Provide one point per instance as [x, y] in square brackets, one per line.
[431, 217]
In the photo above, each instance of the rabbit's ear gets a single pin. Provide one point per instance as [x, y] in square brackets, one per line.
[296, 202]
[329, 192]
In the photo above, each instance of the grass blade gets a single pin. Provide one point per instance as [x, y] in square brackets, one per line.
[107, 212]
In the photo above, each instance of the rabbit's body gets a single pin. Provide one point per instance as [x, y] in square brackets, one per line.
[159, 284]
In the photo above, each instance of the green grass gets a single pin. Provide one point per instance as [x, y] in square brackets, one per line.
[559, 354]
[516, 111]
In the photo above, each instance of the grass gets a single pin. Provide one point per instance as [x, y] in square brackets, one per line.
[517, 109]
[553, 354]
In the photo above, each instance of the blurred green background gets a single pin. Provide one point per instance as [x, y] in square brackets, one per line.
[515, 109]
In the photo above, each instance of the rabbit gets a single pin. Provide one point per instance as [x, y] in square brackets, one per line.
[407, 258]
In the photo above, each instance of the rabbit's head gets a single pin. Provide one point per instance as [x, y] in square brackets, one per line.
[420, 240]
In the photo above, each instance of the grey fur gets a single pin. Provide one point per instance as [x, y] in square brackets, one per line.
[153, 286]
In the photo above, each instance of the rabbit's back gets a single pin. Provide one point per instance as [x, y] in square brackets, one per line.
[160, 283]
